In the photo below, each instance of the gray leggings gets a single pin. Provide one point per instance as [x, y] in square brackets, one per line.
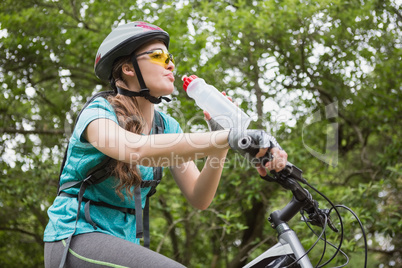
[102, 250]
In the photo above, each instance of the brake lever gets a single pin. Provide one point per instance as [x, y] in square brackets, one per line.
[329, 221]
[333, 228]
[317, 219]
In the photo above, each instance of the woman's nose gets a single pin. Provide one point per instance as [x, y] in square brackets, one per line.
[170, 66]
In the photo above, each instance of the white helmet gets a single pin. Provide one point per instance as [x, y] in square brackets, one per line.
[124, 40]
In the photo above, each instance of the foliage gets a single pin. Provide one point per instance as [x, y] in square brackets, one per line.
[323, 76]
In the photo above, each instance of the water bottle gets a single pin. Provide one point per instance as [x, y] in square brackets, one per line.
[208, 98]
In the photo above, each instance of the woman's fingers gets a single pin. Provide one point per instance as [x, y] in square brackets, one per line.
[261, 170]
[207, 116]
[261, 152]
[279, 160]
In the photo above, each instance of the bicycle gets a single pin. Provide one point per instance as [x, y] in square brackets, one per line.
[289, 252]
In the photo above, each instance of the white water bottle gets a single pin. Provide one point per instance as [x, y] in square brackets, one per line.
[208, 98]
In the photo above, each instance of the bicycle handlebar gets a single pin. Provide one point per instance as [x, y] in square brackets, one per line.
[301, 201]
[247, 144]
[288, 178]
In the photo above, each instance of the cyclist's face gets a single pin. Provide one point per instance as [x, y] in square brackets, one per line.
[156, 68]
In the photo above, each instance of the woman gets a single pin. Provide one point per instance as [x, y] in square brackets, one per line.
[134, 58]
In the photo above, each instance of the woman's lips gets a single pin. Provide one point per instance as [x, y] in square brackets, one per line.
[170, 76]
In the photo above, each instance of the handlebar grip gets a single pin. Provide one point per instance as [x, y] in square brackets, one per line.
[247, 144]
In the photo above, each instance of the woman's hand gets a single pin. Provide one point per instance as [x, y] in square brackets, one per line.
[280, 158]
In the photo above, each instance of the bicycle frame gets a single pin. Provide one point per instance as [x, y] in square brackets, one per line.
[289, 244]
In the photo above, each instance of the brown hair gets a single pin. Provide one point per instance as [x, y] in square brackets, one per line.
[130, 118]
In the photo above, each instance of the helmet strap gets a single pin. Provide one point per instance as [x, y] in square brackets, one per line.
[144, 92]
[138, 73]
[112, 83]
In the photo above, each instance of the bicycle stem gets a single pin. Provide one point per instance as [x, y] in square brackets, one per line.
[301, 199]
[290, 210]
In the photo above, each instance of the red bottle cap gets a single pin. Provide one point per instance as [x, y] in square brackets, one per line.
[187, 81]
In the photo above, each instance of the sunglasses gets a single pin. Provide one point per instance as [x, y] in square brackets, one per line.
[158, 56]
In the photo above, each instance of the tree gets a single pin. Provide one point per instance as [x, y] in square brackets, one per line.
[295, 58]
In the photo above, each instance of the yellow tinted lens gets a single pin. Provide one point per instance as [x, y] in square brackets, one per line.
[158, 56]
[161, 57]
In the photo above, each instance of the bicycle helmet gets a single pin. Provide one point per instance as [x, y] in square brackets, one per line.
[123, 41]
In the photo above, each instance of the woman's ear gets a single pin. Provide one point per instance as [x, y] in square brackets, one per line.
[128, 69]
